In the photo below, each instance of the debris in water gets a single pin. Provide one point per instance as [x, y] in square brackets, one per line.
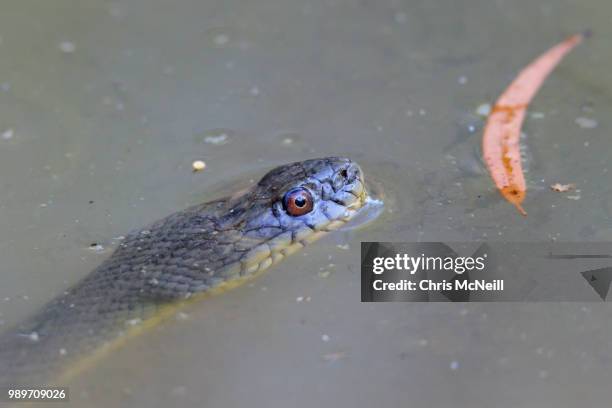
[216, 139]
[562, 188]
[96, 247]
[483, 109]
[325, 338]
[454, 365]
[500, 141]
[198, 165]
[586, 123]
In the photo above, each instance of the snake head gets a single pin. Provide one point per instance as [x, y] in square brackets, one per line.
[295, 204]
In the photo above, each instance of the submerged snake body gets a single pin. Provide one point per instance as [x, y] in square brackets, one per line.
[197, 250]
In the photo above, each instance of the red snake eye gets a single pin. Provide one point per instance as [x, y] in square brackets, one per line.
[298, 202]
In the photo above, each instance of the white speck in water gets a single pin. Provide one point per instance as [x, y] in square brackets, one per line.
[8, 134]
[422, 112]
[33, 336]
[6, 86]
[462, 80]
[325, 338]
[483, 109]
[198, 165]
[96, 247]
[345, 247]
[154, 281]
[586, 123]
[216, 139]
[537, 115]
[67, 47]
[134, 322]
[221, 39]
[62, 351]
[299, 299]
[454, 365]
[471, 128]
[254, 91]
[543, 374]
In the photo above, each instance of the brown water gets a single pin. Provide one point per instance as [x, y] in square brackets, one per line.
[104, 105]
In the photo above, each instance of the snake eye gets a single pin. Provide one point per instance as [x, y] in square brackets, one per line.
[298, 202]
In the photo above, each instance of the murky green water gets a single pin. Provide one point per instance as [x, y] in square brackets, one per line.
[105, 104]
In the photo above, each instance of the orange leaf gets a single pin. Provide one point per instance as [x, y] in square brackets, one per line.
[500, 141]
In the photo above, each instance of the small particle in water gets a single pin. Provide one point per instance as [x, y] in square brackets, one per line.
[483, 109]
[33, 336]
[154, 281]
[216, 139]
[5, 86]
[287, 141]
[462, 80]
[198, 165]
[62, 351]
[299, 299]
[221, 39]
[422, 112]
[562, 188]
[574, 197]
[325, 338]
[454, 365]
[543, 374]
[8, 134]
[67, 47]
[471, 128]
[324, 274]
[96, 247]
[345, 247]
[586, 123]
[537, 115]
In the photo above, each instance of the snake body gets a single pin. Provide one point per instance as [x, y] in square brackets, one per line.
[196, 251]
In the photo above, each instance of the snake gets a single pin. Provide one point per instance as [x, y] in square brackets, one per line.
[200, 251]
